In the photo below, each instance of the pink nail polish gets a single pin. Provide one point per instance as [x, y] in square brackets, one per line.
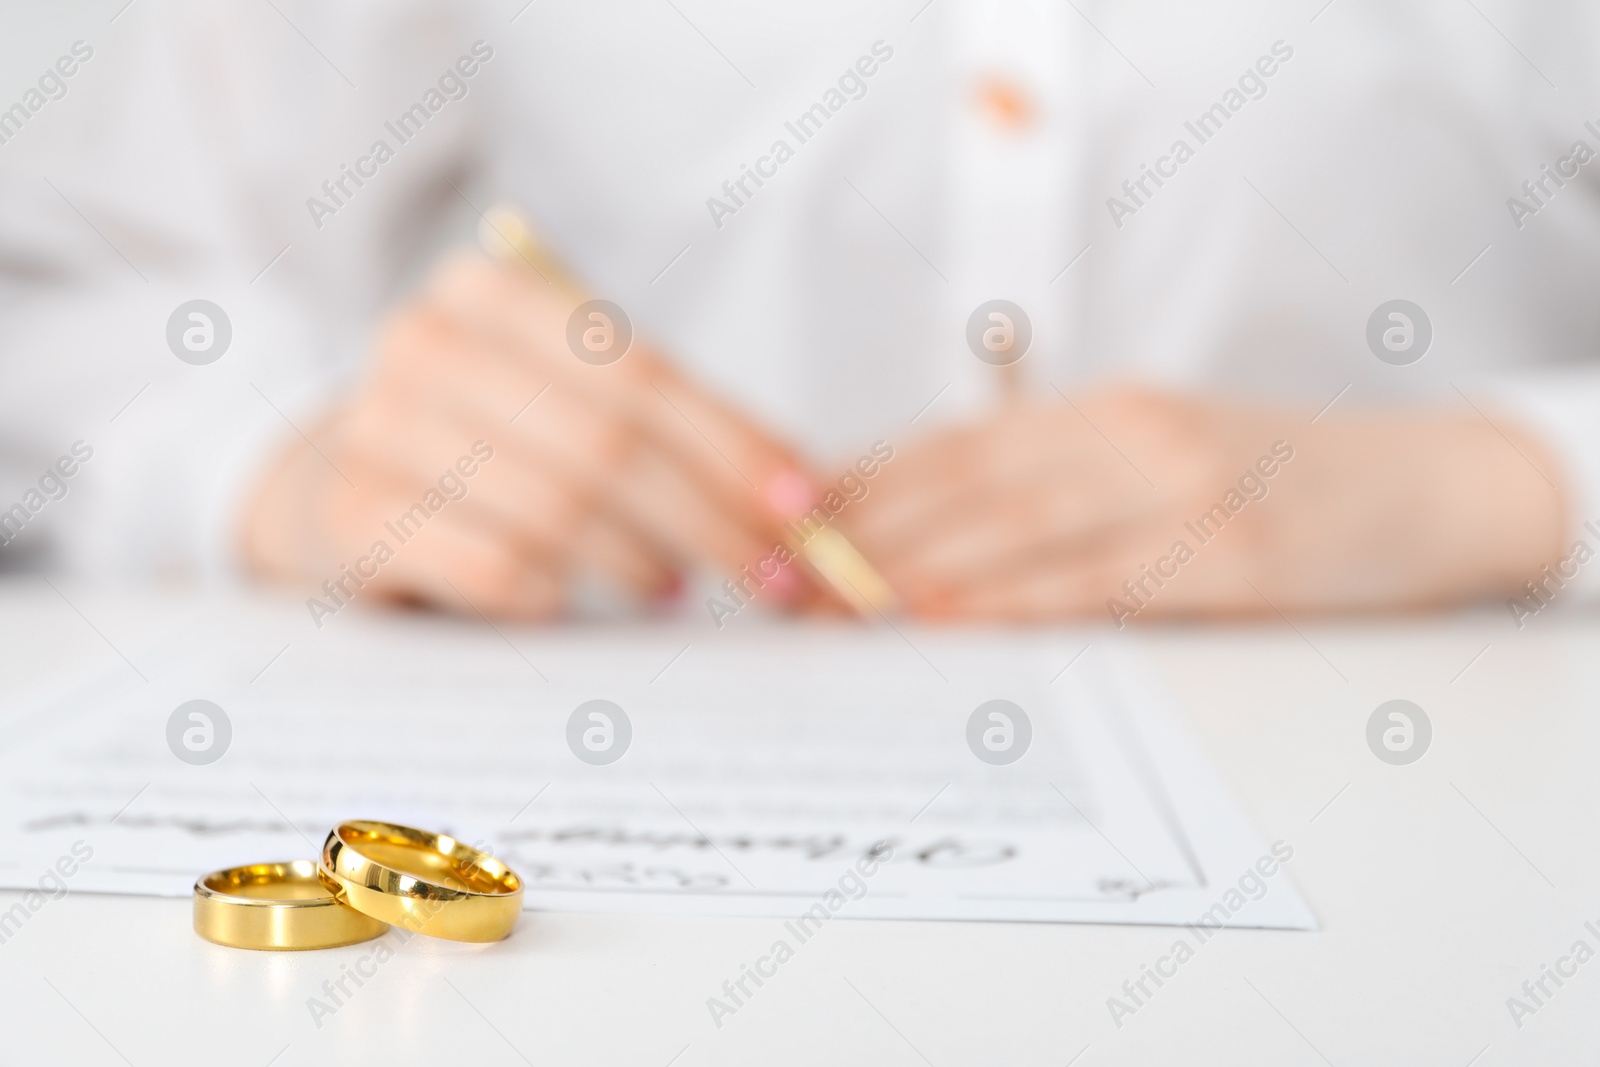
[669, 592]
[786, 585]
[790, 495]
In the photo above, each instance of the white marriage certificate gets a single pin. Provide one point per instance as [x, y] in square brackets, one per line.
[750, 771]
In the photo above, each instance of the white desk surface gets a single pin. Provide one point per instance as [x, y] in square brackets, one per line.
[1440, 886]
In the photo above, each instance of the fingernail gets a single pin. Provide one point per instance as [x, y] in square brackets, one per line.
[786, 586]
[669, 591]
[790, 494]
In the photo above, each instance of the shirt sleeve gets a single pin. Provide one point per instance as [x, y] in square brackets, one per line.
[1561, 406]
[175, 310]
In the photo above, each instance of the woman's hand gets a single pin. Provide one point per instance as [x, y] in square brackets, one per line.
[1133, 503]
[626, 471]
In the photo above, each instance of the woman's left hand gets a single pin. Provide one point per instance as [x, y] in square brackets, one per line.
[1133, 503]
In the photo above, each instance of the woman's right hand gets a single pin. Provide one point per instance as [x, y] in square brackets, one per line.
[626, 470]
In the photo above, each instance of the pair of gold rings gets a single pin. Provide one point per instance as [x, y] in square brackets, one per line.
[371, 876]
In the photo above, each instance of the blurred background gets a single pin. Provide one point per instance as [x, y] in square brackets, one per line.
[1337, 156]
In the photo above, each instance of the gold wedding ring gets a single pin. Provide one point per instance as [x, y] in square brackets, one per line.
[276, 906]
[427, 883]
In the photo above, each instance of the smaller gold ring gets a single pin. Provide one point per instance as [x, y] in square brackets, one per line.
[427, 883]
[276, 906]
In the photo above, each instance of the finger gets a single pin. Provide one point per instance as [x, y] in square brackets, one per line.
[599, 458]
[1064, 587]
[1133, 573]
[554, 430]
[459, 567]
[1050, 505]
[410, 454]
[726, 452]
[1015, 526]
[950, 474]
[1046, 595]
[546, 519]
[745, 469]
[633, 492]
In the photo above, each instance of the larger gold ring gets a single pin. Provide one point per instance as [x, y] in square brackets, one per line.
[276, 906]
[428, 883]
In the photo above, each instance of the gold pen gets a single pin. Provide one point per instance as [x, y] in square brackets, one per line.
[504, 234]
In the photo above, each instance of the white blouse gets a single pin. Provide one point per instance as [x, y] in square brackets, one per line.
[804, 203]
